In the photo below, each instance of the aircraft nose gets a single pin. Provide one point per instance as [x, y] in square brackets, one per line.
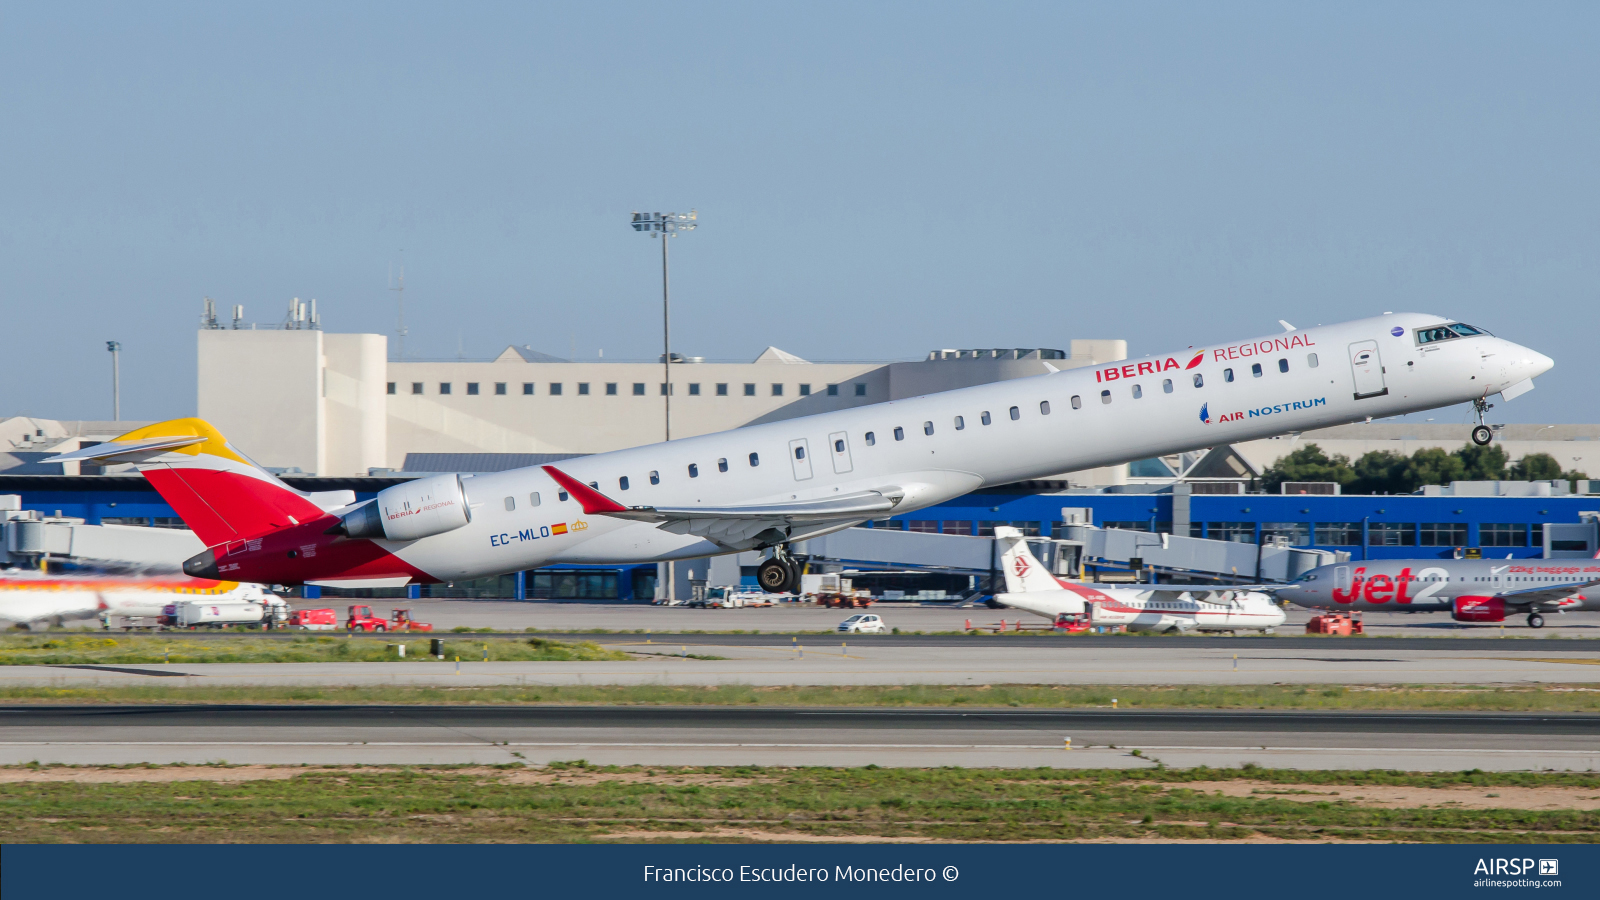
[1538, 363]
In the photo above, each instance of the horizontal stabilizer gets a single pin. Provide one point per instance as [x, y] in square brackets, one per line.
[129, 451]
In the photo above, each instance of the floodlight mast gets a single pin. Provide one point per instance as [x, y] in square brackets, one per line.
[664, 226]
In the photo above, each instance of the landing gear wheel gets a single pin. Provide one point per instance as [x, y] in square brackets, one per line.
[773, 576]
[1535, 620]
[792, 586]
[1481, 435]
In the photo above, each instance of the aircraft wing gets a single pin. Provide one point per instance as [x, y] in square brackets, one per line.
[1549, 593]
[731, 525]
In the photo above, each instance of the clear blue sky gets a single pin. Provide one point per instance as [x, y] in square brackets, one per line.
[873, 180]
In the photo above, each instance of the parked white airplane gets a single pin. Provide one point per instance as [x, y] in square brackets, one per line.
[766, 485]
[1031, 587]
[35, 600]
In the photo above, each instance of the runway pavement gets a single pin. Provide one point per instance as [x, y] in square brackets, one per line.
[843, 737]
[861, 660]
[551, 615]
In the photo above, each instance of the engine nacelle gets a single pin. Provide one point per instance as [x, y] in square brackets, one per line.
[406, 512]
[1478, 609]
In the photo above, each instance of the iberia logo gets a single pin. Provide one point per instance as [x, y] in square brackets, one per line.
[579, 525]
[1148, 367]
[559, 528]
[1021, 566]
[1205, 413]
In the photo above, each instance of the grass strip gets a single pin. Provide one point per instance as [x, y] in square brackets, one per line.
[575, 802]
[122, 649]
[1532, 698]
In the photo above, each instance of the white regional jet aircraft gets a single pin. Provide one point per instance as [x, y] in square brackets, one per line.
[763, 486]
[34, 600]
[1031, 588]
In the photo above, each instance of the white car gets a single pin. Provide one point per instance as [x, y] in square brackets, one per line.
[862, 623]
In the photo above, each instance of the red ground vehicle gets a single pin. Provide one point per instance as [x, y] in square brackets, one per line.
[362, 619]
[400, 620]
[1335, 623]
[314, 620]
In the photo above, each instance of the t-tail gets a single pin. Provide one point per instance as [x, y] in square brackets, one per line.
[1023, 571]
[218, 492]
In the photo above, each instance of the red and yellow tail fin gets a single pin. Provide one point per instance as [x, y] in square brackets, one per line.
[215, 489]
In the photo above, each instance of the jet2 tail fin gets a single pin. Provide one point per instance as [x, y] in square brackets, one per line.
[215, 489]
[1023, 571]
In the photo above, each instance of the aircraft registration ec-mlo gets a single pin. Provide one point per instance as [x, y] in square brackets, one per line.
[763, 486]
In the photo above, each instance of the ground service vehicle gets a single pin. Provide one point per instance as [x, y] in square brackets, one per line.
[362, 619]
[314, 620]
[863, 623]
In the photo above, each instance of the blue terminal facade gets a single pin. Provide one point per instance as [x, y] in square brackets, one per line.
[1365, 526]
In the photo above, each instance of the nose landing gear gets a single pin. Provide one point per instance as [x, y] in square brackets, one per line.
[1481, 434]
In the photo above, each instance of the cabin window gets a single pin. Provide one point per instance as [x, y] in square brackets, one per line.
[1015, 414]
[838, 446]
[722, 465]
[1283, 365]
[1227, 375]
[899, 433]
[533, 499]
[927, 428]
[694, 470]
[562, 496]
[1138, 391]
[985, 417]
[511, 504]
[622, 483]
[871, 439]
[1044, 407]
[1105, 396]
[960, 424]
[1199, 380]
[755, 459]
[1255, 370]
[655, 477]
[1077, 402]
[1311, 360]
[1166, 385]
[799, 453]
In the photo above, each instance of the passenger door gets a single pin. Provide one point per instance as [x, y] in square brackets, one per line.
[1367, 367]
[839, 444]
[800, 458]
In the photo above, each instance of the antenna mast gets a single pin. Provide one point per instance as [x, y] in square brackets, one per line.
[400, 299]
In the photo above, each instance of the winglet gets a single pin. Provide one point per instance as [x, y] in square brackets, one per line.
[592, 501]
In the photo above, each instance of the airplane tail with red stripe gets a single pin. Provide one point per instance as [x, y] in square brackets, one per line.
[1022, 569]
[218, 492]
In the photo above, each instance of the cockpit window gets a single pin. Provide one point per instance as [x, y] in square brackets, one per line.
[1435, 334]
[1466, 330]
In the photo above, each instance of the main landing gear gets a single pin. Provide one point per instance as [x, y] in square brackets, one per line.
[1535, 620]
[1482, 434]
[779, 574]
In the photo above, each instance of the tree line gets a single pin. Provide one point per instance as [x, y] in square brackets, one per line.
[1392, 472]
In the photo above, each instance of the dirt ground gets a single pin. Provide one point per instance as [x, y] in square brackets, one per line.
[1540, 798]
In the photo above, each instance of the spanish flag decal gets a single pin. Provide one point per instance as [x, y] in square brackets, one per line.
[560, 528]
